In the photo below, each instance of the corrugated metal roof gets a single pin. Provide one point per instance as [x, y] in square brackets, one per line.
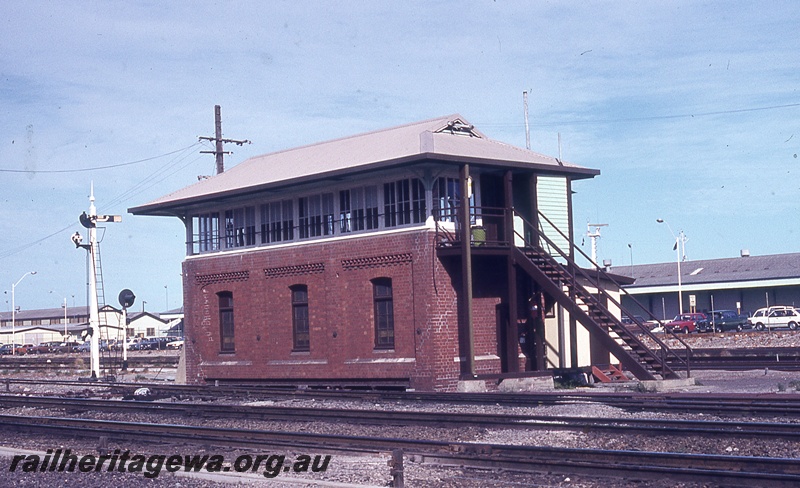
[45, 313]
[751, 268]
[429, 139]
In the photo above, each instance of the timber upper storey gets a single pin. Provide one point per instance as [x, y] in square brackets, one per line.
[380, 181]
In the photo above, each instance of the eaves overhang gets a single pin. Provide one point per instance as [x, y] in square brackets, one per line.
[178, 207]
[708, 286]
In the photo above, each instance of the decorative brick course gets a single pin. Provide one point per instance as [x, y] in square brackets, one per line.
[297, 270]
[206, 279]
[376, 261]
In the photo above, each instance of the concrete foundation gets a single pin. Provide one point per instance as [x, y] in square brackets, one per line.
[471, 386]
[539, 383]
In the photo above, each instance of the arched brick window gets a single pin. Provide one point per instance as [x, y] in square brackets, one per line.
[300, 334]
[384, 313]
[226, 327]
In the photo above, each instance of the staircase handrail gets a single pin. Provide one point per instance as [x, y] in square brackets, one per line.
[596, 281]
[443, 235]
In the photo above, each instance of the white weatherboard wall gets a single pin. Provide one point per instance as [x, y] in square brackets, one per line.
[552, 201]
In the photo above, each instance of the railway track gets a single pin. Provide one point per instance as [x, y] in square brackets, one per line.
[681, 427]
[724, 470]
[726, 404]
[777, 358]
[46, 362]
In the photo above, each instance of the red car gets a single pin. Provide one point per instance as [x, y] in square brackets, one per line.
[687, 323]
[24, 349]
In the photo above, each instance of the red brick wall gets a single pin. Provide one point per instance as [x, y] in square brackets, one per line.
[338, 275]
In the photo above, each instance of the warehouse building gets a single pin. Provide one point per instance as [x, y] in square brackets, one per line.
[744, 284]
[49, 324]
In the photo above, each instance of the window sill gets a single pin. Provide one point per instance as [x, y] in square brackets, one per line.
[383, 351]
[300, 353]
[227, 353]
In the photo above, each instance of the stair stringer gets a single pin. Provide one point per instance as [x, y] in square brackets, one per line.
[597, 331]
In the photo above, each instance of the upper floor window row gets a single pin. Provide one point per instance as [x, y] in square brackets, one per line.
[319, 215]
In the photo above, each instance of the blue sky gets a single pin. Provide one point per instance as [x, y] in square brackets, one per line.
[690, 110]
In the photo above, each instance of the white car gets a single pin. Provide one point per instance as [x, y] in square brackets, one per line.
[175, 344]
[775, 317]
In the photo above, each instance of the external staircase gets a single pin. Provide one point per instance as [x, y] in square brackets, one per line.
[582, 293]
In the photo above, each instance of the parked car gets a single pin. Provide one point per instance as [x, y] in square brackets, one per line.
[687, 323]
[145, 344]
[66, 347]
[110, 345]
[775, 317]
[85, 347]
[155, 343]
[24, 349]
[725, 320]
[44, 347]
[631, 323]
[176, 344]
[8, 348]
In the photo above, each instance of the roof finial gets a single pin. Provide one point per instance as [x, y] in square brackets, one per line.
[92, 208]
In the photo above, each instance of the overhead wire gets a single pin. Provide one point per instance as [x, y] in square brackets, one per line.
[555, 123]
[155, 177]
[150, 181]
[80, 170]
[18, 249]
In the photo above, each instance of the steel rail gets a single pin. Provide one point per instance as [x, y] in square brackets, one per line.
[639, 426]
[52, 361]
[727, 470]
[709, 403]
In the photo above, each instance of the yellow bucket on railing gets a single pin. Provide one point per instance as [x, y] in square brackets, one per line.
[478, 235]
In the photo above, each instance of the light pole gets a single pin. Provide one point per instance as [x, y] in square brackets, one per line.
[64, 306]
[65, 319]
[630, 247]
[680, 241]
[14, 313]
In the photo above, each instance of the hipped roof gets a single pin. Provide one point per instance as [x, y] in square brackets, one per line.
[449, 139]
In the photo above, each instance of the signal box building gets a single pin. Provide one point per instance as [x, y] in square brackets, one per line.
[419, 256]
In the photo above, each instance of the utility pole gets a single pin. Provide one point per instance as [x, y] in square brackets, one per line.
[218, 152]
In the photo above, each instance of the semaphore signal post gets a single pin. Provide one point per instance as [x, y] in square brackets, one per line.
[89, 221]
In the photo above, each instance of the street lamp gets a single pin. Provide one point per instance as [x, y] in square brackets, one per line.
[64, 306]
[14, 313]
[65, 318]
[680, 241]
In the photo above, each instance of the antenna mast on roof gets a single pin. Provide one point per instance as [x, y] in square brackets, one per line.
[527, 128]
[218, 152]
